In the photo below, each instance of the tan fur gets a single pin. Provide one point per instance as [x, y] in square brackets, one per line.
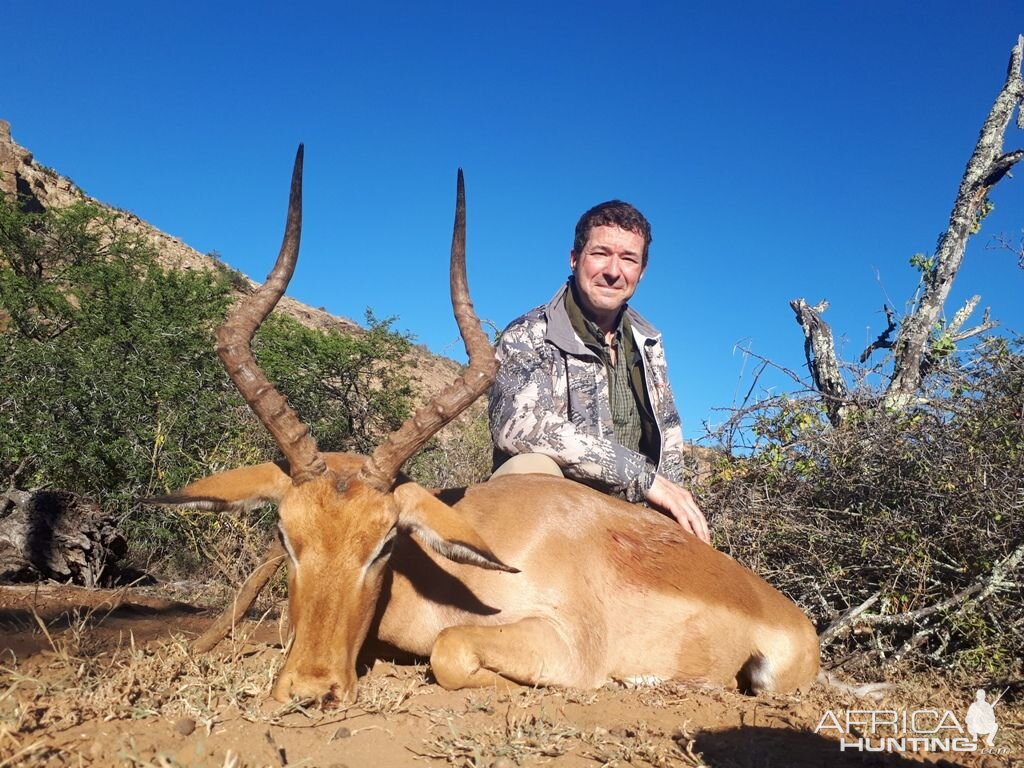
[606, 590]
[248, 487]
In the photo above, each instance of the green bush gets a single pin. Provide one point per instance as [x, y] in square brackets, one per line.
[110, 387]
[350, 388]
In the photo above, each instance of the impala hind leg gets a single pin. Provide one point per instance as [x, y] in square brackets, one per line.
[526, 652]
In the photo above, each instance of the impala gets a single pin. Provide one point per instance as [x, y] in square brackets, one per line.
[525, 579]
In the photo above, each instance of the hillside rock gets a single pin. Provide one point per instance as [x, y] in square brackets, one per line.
[9, 160]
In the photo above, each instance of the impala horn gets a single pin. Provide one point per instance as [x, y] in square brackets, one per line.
[381, 469]
[234, 345]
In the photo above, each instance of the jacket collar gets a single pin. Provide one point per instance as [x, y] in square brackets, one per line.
[560, 331]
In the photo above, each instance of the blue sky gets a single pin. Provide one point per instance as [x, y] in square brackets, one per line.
[779, 149]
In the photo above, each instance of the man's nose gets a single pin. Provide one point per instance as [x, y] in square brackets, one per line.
[613, 269]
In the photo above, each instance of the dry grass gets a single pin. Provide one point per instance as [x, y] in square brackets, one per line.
[522, 736]
[642, 745]
[56, 691]
[531, 727]
[76, 682]
[62, 688]
[48, 701]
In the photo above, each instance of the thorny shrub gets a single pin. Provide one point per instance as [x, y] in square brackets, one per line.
[915, 517]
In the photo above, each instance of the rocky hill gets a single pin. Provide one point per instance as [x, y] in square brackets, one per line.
[42, 187]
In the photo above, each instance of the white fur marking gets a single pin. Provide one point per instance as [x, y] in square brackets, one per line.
[762, 676]
[641, 681]
[386, 541]
[287, 545]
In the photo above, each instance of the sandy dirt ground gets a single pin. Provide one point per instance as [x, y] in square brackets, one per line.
[99, 677]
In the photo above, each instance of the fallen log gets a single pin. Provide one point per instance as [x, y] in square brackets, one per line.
[58, 535]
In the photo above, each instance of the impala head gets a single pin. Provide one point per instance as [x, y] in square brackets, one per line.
[338, 520]
[338, 536]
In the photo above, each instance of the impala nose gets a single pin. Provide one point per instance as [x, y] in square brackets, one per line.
[329, 691]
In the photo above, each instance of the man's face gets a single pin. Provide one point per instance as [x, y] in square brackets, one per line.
[607, 270]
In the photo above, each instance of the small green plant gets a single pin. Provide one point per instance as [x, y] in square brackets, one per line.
[986, 207]
[922, 263]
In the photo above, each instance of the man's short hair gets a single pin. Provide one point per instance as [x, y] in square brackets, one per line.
[613, 213]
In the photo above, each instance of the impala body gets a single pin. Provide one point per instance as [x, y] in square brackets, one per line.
[605, 590]
[524, 579]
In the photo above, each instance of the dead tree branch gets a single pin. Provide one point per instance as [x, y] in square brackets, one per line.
[986, 325]
[843, 622]
[981, 588]
[987, 166]
[947, 341]
[244, 599]
[61, 536]
[820, 351]
[883, 341]
[963, 313]
[914, 352]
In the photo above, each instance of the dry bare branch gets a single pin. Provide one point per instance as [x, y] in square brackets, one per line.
[820, 351]
[979, 590]
[883, 341]
[987, 166]
[846, 620]
[244, 599]
[962, 314]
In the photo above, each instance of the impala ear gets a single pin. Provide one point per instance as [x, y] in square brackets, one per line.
[441, 528]
[237, 490]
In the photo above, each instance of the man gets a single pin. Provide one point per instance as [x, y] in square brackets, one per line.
[981, 719]
[582, 388]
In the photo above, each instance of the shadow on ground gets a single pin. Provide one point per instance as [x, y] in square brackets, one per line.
[759, 747]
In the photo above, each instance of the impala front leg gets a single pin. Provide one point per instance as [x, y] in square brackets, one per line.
[527, 652]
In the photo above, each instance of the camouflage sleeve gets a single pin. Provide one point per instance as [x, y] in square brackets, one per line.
[671, 464]
[672, 449]
[526, 417]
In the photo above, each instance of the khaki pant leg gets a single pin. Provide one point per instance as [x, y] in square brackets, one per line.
[527, 464]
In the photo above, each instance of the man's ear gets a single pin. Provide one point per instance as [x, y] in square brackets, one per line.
[438, 526]
[572, 261]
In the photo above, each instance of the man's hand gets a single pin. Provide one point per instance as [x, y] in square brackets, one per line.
[679, 503]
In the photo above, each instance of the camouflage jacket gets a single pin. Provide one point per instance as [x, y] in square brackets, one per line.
[550, 396]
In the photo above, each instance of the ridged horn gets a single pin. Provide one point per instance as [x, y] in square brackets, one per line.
[234, 345]
[383, 466]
